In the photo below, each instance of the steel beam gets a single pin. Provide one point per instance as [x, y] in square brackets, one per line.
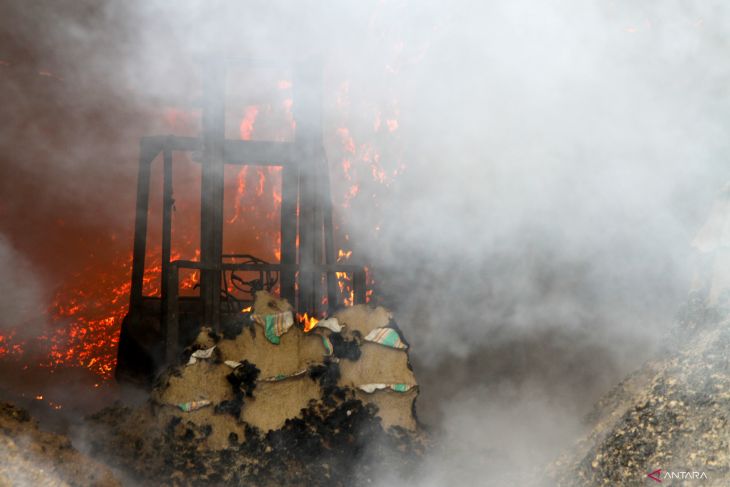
[146, 155]
[167, 202]
[211, 194]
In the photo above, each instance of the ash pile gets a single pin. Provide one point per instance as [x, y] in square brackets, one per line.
[670, 419]
[268, 403]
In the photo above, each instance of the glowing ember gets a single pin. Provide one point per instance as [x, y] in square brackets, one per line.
[88, 312]
[9, 346]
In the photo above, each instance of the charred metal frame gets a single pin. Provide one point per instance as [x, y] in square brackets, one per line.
[305, 185]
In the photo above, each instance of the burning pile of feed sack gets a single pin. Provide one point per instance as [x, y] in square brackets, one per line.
[274, 402]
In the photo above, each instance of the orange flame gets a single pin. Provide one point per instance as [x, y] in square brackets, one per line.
[309, 323]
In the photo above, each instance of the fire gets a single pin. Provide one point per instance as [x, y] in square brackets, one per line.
[248, 121]
[88, 314]
[52, 404]
[343, 255]
[87, 310]
[345, 284]
[309, 322]
[240, 192]
[8, 345]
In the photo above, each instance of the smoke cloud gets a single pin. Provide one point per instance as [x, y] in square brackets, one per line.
[22, 291]
[546, 166]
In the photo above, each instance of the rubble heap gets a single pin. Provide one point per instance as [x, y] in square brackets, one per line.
[29, 456]
[269, 403]
[671, 415]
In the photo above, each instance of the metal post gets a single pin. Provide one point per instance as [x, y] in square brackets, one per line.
[140, 226]
[289, 200]
[308, 114]
[167, 202]
[329, 246]
[170, 323]
[358, 286]
[211, 217]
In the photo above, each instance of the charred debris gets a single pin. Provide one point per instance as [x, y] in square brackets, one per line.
[331, 406]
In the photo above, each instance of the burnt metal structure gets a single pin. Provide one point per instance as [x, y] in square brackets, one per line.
[155, 327]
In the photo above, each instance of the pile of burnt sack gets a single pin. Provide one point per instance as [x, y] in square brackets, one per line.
[276, 405]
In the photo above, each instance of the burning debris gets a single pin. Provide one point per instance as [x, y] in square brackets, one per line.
[285, 411]
[277, 391]
[89, 307]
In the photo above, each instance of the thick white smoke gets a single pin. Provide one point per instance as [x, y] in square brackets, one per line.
[559, 158]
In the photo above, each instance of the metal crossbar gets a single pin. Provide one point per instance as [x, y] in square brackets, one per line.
[170, 301]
